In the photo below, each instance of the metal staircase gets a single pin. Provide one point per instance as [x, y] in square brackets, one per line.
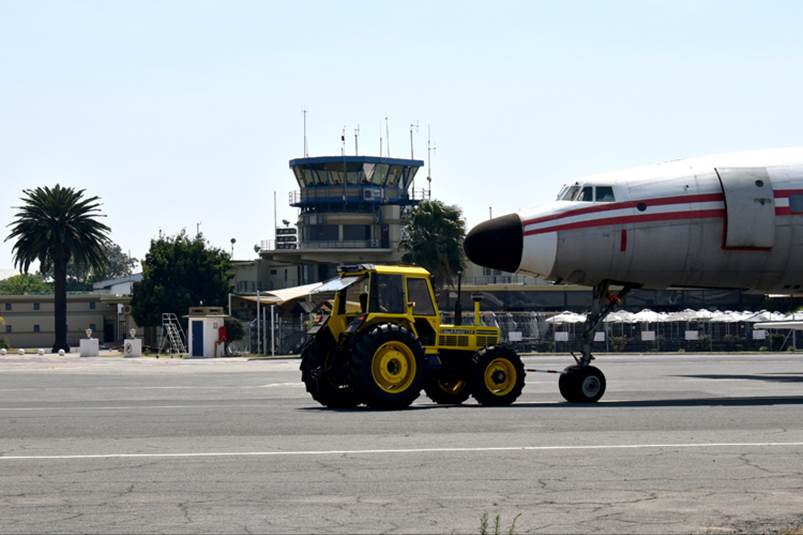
[173, 338]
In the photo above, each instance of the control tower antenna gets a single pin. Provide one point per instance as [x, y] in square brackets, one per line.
[412, 155]
[387, 138]
[430, 148]
[306, 151]
[343, 142]
[380, 140]
[356, 141]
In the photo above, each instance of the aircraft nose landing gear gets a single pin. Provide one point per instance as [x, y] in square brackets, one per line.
[581, 382]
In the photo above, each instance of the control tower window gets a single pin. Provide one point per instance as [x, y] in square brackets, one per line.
[605, 194]
[394, 174]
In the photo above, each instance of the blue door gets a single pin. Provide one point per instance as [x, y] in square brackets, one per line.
[197, 339]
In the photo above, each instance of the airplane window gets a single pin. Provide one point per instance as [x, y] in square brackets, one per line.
[587, 195]
[569, 193]
[796, 204]
[605, 194]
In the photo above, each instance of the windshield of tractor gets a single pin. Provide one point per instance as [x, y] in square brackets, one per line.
[387, 294]
[355, 298]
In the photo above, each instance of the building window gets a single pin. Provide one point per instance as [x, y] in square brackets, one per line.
[8, 328]
[285, 275]
[36, 306]
[322, 233]
[356, 232]
[8, 306]
[94, 327]
[92, 305]
[36, 328]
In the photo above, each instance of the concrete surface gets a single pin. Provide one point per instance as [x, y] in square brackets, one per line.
[680, 444]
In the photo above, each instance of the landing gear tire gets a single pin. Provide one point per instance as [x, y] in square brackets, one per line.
[582, 384]
[388, 367]
[322, 386]
[497, 376]
[448, 390]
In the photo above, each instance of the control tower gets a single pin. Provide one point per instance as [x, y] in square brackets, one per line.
[351, 209]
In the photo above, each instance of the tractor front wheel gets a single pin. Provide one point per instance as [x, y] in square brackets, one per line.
[497, 376]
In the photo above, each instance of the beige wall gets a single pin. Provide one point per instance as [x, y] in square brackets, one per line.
[28, 319]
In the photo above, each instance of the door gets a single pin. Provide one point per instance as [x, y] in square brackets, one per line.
[749, 207]
[197, 338]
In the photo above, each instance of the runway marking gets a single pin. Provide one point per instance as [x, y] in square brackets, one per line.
[402, 451]
[137, 407]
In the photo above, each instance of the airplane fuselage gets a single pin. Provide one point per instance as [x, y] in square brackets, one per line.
[729, 221]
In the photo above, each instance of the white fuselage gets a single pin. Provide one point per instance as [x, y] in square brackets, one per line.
[727, 221]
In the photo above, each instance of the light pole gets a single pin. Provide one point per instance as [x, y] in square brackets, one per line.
[233, 241]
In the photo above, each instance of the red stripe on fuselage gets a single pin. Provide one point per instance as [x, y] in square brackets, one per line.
[780, 193]
[623, 220]
[607, 207]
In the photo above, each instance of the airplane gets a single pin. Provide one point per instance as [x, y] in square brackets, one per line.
[730, 221]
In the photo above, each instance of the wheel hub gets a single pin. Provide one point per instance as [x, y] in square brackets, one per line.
[500, 376]
[393, 367]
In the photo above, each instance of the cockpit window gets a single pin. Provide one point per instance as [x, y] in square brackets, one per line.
[568, 193]
[577, 192]
[605, 194]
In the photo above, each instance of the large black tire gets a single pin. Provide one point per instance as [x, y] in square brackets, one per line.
[388, 366]
[497, 376]
[448, 391]
[582, 384]
[451, 385]
[321, 385]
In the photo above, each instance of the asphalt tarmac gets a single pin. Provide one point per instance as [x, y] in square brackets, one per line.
[679, 444]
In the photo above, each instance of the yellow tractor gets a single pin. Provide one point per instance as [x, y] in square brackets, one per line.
[383, 342]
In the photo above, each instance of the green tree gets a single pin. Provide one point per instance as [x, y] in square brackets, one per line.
[434, 239]
[80, 277]
[25, 283]
[180, 272]
[54, 226]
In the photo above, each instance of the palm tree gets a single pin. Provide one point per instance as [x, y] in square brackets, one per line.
[53, 226]
[434, 239]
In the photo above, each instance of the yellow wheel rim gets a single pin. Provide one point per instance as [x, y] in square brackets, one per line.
[393, 367]
[500, 376]
[451, 387]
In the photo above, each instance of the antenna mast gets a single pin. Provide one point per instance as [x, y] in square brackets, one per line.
[356, 141]
[306, 152]
[387, 137]
[430, 148]
[343, 142]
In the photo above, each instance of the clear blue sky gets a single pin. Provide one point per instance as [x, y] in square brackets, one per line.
[177, 112]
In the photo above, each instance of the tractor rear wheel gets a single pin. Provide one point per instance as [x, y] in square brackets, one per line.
[497, 376]
[322, 384]
[388, 367]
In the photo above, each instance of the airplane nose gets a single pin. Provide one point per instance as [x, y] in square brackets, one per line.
[496, 243]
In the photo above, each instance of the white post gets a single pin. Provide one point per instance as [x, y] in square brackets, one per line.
[272, 332]
[259, 345]
[229, 303]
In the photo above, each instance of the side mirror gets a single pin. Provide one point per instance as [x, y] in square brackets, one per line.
[410, 306]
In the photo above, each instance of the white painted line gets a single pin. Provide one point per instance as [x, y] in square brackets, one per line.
[403, 451]
[129, 407]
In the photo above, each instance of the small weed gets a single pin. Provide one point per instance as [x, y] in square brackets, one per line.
[497, 525]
